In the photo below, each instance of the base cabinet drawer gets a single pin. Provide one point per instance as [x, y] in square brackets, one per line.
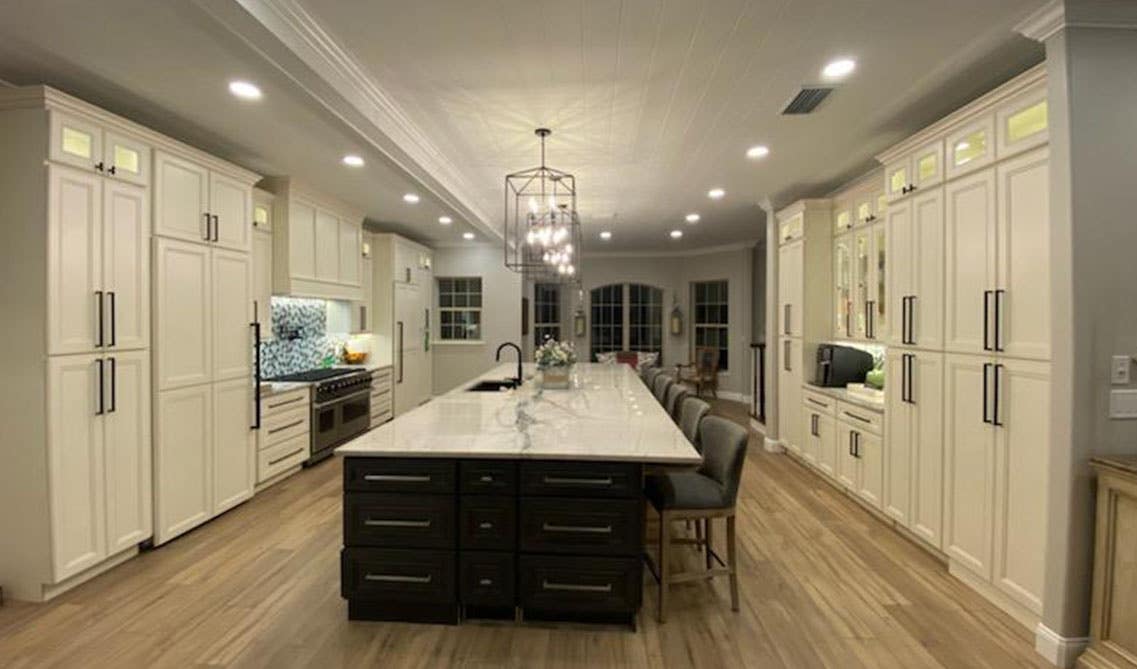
[487, 578]
[487, 523]
[399, 575]
[389, 475]
[283, 427]
[402, 521]
[583, 527]
[282, 457]
[487, 477]
[581, 479]
[553, 583]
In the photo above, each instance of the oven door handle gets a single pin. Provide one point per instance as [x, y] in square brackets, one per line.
[340, 400]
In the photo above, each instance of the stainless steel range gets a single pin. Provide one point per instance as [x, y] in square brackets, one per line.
[341, 406]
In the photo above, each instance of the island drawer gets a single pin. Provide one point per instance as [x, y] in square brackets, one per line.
[401, 521]
[487, 578]
[487, 477]
[390, 574]
[581, 479]
[590, 527]
[487, 523]
[553, 583]
[399, 475]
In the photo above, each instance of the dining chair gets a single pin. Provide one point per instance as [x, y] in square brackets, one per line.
[703, 372]
[691, 413]
[675, 396]
[648, 375]
[703, 495]
[660, 386]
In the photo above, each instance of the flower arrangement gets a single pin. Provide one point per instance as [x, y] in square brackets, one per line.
[555, 353]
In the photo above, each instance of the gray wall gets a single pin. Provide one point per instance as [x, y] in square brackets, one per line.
[455, 363]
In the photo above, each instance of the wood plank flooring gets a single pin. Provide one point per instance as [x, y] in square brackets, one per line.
[823, 584]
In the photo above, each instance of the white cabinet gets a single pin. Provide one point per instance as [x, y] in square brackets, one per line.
[915, 262]
[234, 452]
[194, 203]
[126, 265]
[126, 158]
[918, 169]
[820, 440]
[363, 313]
[127, 451]
[791, 289]
[1022, 123]
[317, 244]
[790, 394]
[183, 313]
[969, 262]
[89, 145]
[232, 285]
[860, 453]
[971, 147]
[183, 460]
[262, 281]
[914, 453]
[843, 287]
[869, 247]
[75, 299]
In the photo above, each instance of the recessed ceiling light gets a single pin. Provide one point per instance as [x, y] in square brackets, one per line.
[445, 220]
[467, 235]
[842, 67]
[605, 235]
[245, 90]
[716, 193]
[676, 234]
[692, 218]
[411, 198]
[352, 160]
[759, 151]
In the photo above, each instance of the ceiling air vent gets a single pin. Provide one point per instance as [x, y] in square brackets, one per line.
[807, 100]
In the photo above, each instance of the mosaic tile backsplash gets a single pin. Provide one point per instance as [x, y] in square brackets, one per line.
[300, 337]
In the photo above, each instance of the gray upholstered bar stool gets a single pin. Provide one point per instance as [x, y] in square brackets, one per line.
[705, 494]
[691, 413]
[648, 375]
[675, 396]
[661, 384]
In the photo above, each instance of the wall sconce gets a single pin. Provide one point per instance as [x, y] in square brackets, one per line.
[676, 316]
[578, 324]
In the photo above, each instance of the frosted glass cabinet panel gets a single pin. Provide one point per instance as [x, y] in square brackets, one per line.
[971, 147]
[843, 287]
[75, 141]
[862, 266]
[1023, 123]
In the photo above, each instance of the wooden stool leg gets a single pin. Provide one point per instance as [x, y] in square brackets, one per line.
[732, 557]
[664, 546]
[709, 524]
[698, 533]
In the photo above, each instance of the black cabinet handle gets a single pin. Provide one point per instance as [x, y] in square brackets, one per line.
[255, 326]
[997, 383]
[114, 380]
[114, 317]
[99, 166]
[904, 377]
[787, 364]
[111, 169]
[216, 228]
[208, 228]
[851, 433]
[987, 320]
[102, 408]
[101, 317]
[786, 320]
[986, 368]
[911, 377]
[400, 324]
[1000, 294]
[856, 444]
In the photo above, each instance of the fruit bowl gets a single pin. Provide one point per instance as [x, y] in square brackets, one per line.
[354, 357]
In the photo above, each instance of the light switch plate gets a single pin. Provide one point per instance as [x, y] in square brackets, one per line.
[1123, 404]
[1119, 370]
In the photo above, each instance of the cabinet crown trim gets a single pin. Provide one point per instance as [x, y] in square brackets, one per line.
[803, 206]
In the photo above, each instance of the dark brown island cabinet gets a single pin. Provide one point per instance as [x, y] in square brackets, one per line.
[443, 540]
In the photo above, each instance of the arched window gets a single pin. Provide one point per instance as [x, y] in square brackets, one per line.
[626, 317]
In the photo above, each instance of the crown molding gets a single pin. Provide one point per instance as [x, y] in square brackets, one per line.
[356, 94]
[706, 250]
[1053, 17]
[1043, 23]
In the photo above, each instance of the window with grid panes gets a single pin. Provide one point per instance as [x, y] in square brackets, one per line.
[710, 319]
[645, 318]
[607, 319]
[460, 309]
[546, 312]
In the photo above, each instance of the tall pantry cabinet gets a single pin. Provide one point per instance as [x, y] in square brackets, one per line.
[403, 295]
[75, 469]
[803, 310]
[969, 292]
[203, 295]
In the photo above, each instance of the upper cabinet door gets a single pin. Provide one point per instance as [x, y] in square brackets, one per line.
[262, 210]
[843, 283]
[898, 223]
[1022, 301]
[971, 147]
[126, 265]
[181, 199]
[302, 240]
[928, 165]
[76, 141]
[76, 305]
[262, 281]
[897, 178]
[926, 283]
[862, 282]
[77, 405]
[327, 246]
[231, 205]
[232, 315]
[351, 253]
[969, 267]
[842, 217]
[1023, 123]
[126, 158]
[183, 314]
[127, 451]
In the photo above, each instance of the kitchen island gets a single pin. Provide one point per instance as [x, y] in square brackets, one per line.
[507, 503]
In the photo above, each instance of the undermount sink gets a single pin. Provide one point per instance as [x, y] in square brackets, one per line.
[492, 386]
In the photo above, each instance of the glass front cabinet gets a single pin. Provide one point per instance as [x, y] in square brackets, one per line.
[843, 287]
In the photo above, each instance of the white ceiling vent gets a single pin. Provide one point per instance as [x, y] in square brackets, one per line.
[807, 99]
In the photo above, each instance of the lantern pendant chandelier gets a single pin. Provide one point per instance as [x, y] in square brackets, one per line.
[542, 228]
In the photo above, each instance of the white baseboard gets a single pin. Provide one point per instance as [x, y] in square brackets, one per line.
[1061, 651]
[734, 397]
[760, 428]
[773, 446]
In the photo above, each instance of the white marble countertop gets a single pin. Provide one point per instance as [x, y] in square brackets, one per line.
[608, 415]
[846, 396]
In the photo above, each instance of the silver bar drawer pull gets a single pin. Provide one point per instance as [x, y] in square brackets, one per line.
[294, 400]
[285, 427]
[485, 525]
[485, 581]
[486, 479]
[398, 478]
[395, 578]
[578, 529]
[285, 457]
[856, 417]
[372, 522]
[573, 587]
[572, 480]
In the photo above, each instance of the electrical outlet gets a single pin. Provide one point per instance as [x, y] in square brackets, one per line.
[1119, 370]
[1123, 404]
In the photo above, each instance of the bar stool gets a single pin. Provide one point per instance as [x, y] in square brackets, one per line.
[691, 413]
[661, 384]
[705, 494]
[675, 396]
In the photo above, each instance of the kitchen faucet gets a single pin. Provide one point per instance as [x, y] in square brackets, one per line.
[497, 357]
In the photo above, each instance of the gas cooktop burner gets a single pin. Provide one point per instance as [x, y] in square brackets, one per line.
[313, 375]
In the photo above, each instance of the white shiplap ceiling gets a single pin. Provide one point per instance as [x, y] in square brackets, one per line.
[652, 102]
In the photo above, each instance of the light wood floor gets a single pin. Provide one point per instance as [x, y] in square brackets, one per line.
[823, 584]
